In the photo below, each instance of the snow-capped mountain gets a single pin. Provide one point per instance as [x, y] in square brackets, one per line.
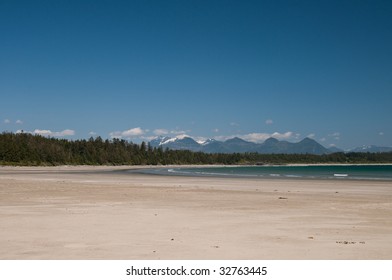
[238, 145]
[206, 142]
[176, 143]
[159, 141]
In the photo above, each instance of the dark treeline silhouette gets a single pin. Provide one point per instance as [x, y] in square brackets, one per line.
[28, 149]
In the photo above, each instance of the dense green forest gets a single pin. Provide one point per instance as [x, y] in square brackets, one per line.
[28, 149]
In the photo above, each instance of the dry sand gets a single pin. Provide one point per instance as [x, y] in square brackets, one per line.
[63, 213]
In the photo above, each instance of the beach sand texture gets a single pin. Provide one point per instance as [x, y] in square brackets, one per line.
[85, 213]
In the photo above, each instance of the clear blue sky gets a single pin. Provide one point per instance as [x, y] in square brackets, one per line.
[136, 69]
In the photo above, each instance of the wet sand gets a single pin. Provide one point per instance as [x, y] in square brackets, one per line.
[86, 213]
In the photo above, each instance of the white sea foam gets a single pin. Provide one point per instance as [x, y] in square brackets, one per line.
[340, 175]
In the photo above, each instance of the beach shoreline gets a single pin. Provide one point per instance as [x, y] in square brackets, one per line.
[84, 212]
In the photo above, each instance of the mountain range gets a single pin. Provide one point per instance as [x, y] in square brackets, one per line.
[269, 146]
[238, 145]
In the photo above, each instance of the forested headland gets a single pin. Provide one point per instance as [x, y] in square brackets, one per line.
[35, 150]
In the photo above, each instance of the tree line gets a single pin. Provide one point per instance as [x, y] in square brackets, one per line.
[35, 150]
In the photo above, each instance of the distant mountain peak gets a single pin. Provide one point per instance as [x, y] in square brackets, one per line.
[271, 140]
[181, 137]
[236, 140]
[309, 140]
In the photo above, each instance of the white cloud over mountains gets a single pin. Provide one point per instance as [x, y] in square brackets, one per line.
[47, 132]
[66, 132]
[335, 135]
[261, 137]
[138, 132]
[161, 131]
[130, 133]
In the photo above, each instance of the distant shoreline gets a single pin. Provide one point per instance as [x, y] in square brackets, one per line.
[282, 172]
[187, 165]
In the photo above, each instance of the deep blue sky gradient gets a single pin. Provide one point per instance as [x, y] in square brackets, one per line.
[203, 68]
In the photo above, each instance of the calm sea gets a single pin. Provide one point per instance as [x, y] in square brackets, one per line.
[338, 172]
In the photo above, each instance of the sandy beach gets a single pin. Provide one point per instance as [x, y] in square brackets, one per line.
[87, 213]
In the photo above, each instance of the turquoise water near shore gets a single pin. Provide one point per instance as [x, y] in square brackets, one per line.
[338, 172]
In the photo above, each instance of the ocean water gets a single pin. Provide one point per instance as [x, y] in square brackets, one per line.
[337, 172]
